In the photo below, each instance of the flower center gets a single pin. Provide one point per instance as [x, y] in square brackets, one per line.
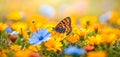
[41, 37]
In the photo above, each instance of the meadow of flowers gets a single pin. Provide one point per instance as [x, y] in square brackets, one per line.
[28, 28]
[91, 36]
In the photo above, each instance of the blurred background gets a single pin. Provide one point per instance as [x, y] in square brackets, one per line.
[55, 9]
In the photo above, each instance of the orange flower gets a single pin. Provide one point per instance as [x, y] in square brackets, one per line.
[109, 38]
[2, 26]
[3, 53]
[96, 54]
[73, 38]
[22, 53]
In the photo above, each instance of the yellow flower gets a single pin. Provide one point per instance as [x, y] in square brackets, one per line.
[15, 47]
[34, 48]
[73, 38]
[15, 15]
[49, 26]
[21, 28]
[113, 16]
[74, 18]
[58, 36]
[22, 53]
[88, 20]
[2, 26]
[84, 32]
[95, 40]
[35, 26]
[37, 19]
[76, 29]
[96, 54]
[54, 45]
[118, 22]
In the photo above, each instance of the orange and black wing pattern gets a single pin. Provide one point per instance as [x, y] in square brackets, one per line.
[64, 26]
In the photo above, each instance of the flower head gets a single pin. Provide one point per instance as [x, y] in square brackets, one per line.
[96, 54]
[22, 53]
[73, 50]
[15, 16]
[73, 38]
[15, 47]
[2, 26]
[8, 30]
[54, 45]
[95, 40]
[40, 36]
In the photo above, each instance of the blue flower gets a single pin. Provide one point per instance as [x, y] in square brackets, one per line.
[47, 10]
[73, 50]
[39, 37]
[105, 17]
[8, 30]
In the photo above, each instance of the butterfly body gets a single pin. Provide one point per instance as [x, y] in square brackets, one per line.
[64, 26]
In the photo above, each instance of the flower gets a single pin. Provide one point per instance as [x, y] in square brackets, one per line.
[109, 38]
[47, 10]
[118, 22]
[96, 54]
[34, 48]
[58, 36]
[73, 50]
[54, 45]
[8, 30]
[15, 15]
[3, 53]
[95, 40]
[83, 32]
[15, 47]
[114, 16]
[89, 48]
[20, 27]
[22, 53]
[73, 38]
[39, 37]
[2, 26]
[34, 54]
[88, 20]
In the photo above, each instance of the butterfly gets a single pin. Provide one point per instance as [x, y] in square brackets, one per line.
[64, 26]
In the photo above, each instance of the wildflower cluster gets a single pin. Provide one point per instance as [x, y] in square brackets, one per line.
[90, 37]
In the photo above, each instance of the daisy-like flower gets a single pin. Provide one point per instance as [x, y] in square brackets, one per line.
[39, 37]
[8, 30]
[54, 45]
[73, 50]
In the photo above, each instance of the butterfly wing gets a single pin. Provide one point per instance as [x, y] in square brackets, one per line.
[64, 26]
